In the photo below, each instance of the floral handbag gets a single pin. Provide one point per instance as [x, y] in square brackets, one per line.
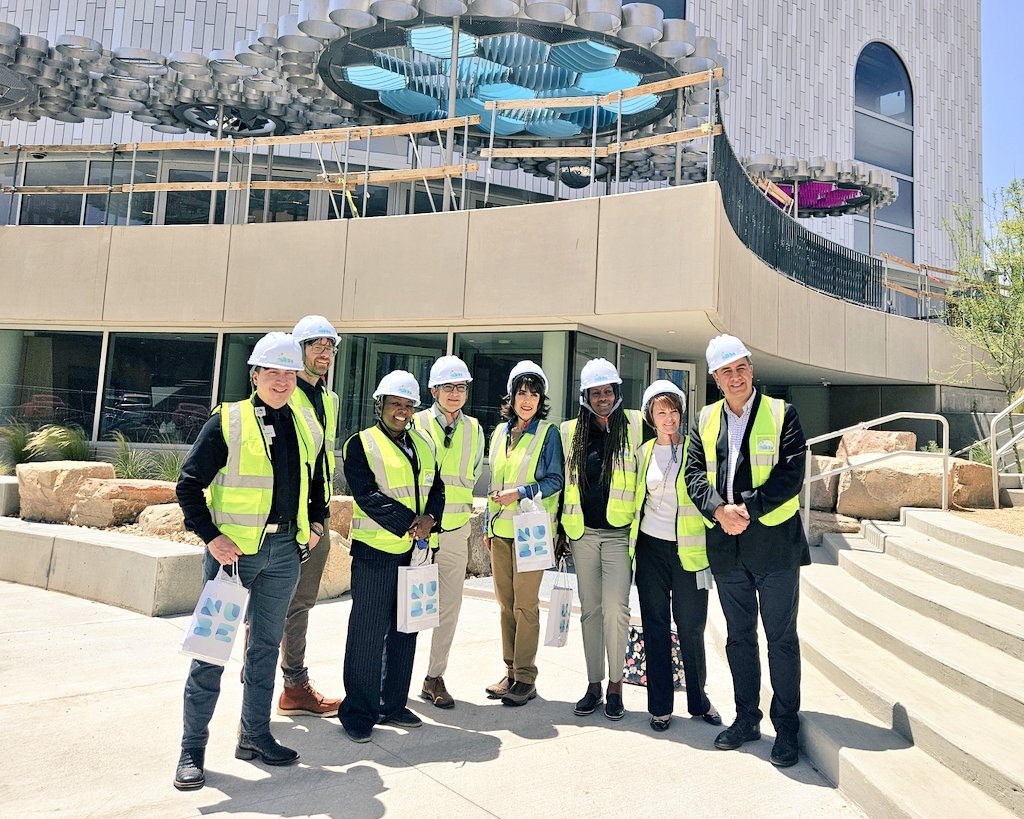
[634, 670]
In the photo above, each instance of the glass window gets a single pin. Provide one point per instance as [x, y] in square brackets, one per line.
[900, 212]
[883, 144]
[158, 386]
[376, 202]
[49, 377]
[235, 384]
[882, 83]
[7, 213]
[364, 358]
[281, 206]
[421, 201]
[635, 369]
[192, 207]
[53, 208]
[491, 356]
[672, 8]
[585, 348]
[887, 240]
[97, 211]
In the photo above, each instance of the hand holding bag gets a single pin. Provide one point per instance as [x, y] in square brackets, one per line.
[559, 609]
[418, 607]
[215, 622]
[534, 541]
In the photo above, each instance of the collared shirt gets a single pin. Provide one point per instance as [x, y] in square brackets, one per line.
[737, 429]
[317, 394]
[439, 416]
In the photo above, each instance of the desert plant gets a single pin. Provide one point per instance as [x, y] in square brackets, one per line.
[168, 465]
[980, 454]
[130, 462]
[931, 446]
[14, 447]
[58, 443]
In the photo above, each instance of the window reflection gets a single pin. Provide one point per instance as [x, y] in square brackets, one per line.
[7, 213]
[97, 209]
[53, 209]
[635, 370]
[193, 207]
[883, 85]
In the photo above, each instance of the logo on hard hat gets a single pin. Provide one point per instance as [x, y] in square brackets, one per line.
[454, 372]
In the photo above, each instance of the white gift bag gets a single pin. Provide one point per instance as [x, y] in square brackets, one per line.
[219, 614]
[534, 542]
[559, 608]
[418, 607]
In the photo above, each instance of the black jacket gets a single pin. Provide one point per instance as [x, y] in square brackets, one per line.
[760, 549]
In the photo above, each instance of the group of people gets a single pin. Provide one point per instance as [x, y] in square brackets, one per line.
[678, 513]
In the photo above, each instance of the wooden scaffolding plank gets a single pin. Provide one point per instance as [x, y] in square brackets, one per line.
[664, 139]
[552, 152]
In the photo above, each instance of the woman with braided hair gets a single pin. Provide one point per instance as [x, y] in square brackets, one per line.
[600, 475]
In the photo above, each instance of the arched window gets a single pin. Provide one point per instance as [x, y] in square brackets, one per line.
[883, 136]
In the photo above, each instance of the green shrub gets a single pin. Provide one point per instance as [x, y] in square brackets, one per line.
[14, 447]
[931, 446]
[168, 465]
[980, 454]
[131, 463]
[58, 443]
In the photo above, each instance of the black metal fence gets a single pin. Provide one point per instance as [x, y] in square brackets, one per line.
[790, 248]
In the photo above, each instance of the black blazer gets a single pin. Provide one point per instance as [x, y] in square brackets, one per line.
[760, 549]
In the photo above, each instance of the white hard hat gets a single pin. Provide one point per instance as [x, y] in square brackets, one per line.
[526, 368]
[724, 350]
[310, 327]
[277, 351]
[597, 372]
[400, 384]
[660, 387]
[447, 370]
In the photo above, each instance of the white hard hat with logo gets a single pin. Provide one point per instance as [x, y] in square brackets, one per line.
[597, 372]
[660, 387]
[400, 384]
[724, 350]
[278, 351]
[310, 327]
[447, 370]
[526, 368]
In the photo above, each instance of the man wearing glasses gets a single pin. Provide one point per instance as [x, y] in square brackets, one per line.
[459, 442]
[319, 342]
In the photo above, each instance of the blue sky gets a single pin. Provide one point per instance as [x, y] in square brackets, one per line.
[1002, 92]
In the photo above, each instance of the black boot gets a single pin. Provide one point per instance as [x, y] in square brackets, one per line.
[265, 747]
[190, 776]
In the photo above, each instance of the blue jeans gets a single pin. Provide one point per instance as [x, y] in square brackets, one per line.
[270, 575]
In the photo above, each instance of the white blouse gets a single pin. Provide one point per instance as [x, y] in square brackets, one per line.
[659, 518]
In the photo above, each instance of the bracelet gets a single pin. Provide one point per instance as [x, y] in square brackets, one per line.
[317, 529]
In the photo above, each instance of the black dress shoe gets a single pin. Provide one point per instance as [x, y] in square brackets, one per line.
[786, 750]
[190, 776]
[586, 706]
[736, 734]
[711, 717]
[613, 708]
[265, 747]
[661, 723]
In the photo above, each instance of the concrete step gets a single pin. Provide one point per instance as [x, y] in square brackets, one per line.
[986, 577]
[972, 537]
[989, 621]
[992, 678]
[1011, 480]
[948, 725]
[1013, 498]
[874, 766]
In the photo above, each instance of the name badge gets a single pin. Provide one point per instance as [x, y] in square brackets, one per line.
[764, 445]
[260, 411]
[268, 430]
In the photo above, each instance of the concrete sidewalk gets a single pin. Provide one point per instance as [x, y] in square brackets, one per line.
[90, 706]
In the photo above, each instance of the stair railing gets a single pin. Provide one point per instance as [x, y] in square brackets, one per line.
[924, 416]
[996, 452]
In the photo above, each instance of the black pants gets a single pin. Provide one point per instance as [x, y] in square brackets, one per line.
[778, 594]
[378, 657]
[667, 591]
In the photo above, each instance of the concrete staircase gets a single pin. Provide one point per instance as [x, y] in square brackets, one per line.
[913, 645]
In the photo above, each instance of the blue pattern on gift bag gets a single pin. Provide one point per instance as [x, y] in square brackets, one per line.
[424, 599]
[211, 612]
[528, 540]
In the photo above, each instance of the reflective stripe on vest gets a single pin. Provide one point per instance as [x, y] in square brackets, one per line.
[622, 488]
[763, 446]
[456, 463]
[690, 523]
[322, 435]
[393, 472]
[514, 469]
[242, 491]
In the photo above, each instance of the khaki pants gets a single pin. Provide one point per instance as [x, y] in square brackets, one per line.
[451, 559]
[517, 595]
[601, 558]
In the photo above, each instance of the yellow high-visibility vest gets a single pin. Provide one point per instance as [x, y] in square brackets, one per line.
[456, 463]
[763, 449]
[395, 478]
[619, 510]
[331, 402]
[242, 491]
[513, 469]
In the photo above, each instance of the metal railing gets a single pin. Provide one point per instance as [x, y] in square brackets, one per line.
[923, 416]
[996, 452]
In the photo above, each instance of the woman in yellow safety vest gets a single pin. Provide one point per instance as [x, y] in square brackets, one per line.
[526, 462]
[597, 510]
[672, 574]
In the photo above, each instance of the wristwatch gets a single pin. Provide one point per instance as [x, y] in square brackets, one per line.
[317, 529]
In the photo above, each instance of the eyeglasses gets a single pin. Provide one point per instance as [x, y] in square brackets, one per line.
[449, 432]
[322, 348]
[460, 388]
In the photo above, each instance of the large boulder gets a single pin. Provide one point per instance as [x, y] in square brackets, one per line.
[824, 522]
[479, 558]
[341, 515]
[48, 490]
[161, 520]
[115, 501]
[337, 577]
[824, 492]
[860, 441]
[972, 484]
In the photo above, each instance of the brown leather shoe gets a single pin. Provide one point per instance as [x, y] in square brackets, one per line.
[519, 694]
[435, 692]
[305, 700]
[500, 688]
